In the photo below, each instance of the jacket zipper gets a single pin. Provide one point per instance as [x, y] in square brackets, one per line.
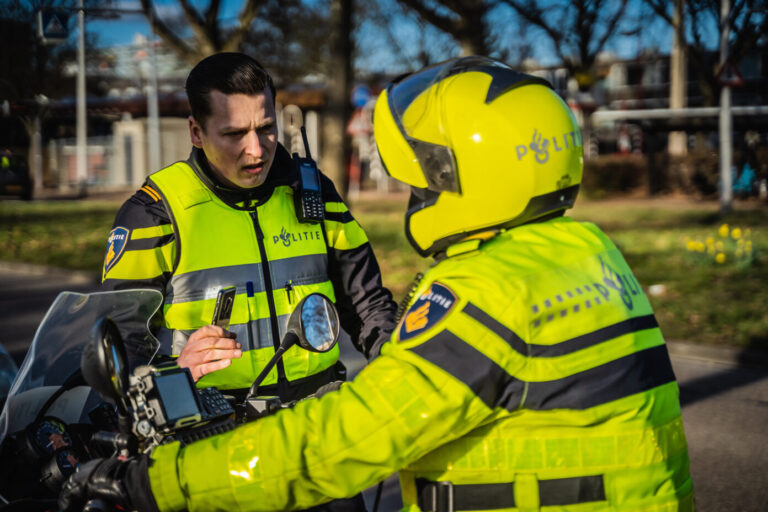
[268, 290]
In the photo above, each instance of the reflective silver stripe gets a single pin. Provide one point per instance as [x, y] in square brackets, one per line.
[169, 338]
[300, 270]
[173, 340]
[204, 284]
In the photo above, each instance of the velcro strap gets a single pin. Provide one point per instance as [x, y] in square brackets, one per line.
[447, 497]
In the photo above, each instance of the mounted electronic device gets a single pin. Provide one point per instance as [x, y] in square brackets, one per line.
[308, 196]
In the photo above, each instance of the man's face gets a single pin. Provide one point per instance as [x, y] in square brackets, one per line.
[239, 138]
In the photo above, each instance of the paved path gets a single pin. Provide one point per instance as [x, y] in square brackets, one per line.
[725, 405]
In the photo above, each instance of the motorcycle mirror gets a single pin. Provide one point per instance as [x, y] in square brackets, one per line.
[313, 324]
[104, 362]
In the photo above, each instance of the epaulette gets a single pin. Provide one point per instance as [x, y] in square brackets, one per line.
[152, 193]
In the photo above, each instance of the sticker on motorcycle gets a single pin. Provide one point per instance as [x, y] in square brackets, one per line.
[116, 242]
[431, 307]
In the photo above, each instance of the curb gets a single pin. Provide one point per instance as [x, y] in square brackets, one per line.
[75, 276]
[737, 356]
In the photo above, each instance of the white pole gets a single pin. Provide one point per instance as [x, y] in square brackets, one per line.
[726, 142]
[152, 106]
[82, 170]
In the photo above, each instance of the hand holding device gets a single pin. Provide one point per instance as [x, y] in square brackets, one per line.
[208, 349]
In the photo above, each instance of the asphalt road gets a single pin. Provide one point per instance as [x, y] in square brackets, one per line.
[725, 406]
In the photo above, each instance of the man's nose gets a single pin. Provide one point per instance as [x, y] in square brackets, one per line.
[253, 144]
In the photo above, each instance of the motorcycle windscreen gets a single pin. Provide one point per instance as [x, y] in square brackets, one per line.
[54, 355]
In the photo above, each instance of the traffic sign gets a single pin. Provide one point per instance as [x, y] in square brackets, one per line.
[360, 95]
[729, 76]
[52, 26]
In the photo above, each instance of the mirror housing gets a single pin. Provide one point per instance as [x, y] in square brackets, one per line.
[315, 322]
[104, 363]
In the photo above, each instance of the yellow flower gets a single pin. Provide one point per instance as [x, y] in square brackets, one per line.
[724, 230]
[736, 233]
[710, 240]
[690, 245]
[749, 245]
[719, 245]
[720, 258]
[700, 247]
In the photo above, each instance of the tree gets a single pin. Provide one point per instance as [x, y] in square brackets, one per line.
[577, 29]
[336, 144]
[465, 20]
[289, 37]
[748, 24]
[411, 42]
[210, 36]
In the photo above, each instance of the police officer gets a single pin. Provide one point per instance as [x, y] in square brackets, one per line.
[226, 217]
[527, 372]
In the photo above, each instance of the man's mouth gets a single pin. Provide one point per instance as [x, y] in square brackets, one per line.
[253, 168]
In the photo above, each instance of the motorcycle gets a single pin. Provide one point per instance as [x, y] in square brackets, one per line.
[89, 387]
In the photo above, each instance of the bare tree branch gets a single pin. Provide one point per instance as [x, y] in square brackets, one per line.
[575, 33]
[467, 24]
[169, 36]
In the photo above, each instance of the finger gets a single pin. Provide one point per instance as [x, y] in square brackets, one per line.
[205, 369]
[205, 332]
[226, 343]
[214, 354]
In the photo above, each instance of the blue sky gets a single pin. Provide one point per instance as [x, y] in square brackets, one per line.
[375, 48]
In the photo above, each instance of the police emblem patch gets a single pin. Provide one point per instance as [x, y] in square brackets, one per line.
[116, 242]
[431, 307]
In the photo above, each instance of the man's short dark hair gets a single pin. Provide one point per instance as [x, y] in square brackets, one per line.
[229, 73]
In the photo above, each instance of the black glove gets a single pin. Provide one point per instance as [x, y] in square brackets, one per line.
[118, 482]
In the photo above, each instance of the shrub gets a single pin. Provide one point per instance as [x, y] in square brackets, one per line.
[606, 174]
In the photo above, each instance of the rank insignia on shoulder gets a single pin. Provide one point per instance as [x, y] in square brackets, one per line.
[431, 307]
[118, 238]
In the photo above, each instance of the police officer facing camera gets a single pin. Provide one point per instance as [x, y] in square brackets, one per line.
[528, 371]
[227, 217]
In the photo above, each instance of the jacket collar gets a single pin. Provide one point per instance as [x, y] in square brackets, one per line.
[282, 172]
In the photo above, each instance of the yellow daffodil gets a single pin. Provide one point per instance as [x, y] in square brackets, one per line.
[720, 258]
[724, 230]
[690, 245]
[736, 233]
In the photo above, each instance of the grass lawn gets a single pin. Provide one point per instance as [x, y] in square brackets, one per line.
[671, 244]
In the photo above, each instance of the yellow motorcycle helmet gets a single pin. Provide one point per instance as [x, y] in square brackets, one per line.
[483, 147]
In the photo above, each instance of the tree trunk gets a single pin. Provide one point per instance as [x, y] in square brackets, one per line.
[335, 143]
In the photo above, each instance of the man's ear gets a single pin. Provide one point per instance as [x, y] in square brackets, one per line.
[195, 132]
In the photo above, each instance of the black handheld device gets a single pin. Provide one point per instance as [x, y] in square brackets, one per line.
[307, 198]
[223, 309]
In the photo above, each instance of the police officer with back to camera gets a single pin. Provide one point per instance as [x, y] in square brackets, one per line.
[227, 217]
[528, 371]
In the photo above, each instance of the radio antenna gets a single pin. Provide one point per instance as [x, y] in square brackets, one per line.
[307, 154]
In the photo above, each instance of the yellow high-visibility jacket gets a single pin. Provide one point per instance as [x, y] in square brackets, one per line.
[213, 238]
[528, 374]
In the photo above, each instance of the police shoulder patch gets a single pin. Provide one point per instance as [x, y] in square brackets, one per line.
[118, 238]
[431, 307]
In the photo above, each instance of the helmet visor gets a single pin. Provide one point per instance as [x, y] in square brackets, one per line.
[413, 99]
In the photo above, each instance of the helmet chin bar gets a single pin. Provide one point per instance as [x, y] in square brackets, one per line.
[538, 208]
